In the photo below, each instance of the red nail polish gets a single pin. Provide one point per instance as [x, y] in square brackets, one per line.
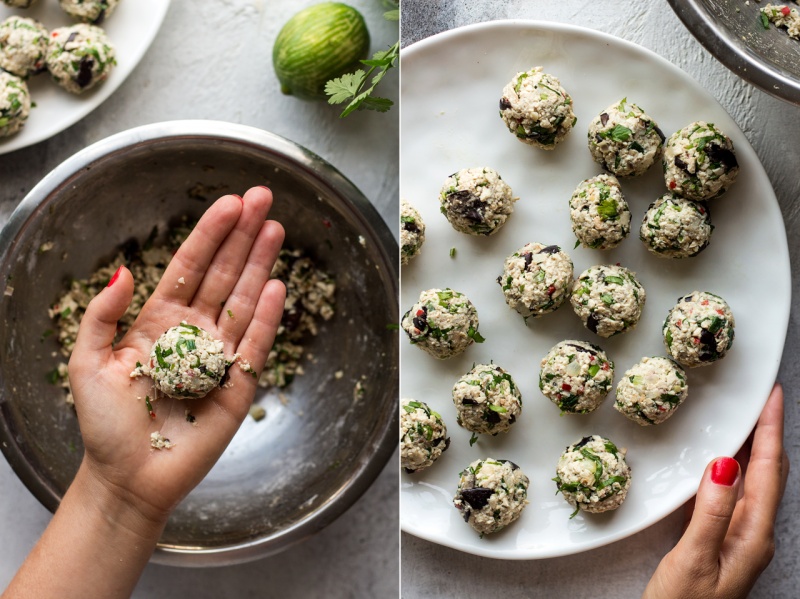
[115, 277]
[724, 471]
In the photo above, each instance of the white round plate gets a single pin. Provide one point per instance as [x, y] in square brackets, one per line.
[131, 28]
[451, 88]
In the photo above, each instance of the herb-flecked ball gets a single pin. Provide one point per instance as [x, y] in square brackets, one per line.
[15, 104]
[608, 299]
[576, 376]
[412, 232]
[593, 476]
[476, 201]
[487, 400]
[699, 162]
[80, 57]
[536, 279]
[599, 213]
[23, 46]
[536, 109]
[491, 494]
[624, 140]
[423, 436]
[89, 11]
[442, 323]
[699, 329]
[651, 391]
[675, 227]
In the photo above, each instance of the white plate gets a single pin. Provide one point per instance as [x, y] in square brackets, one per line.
[451, 87]
[131, 28]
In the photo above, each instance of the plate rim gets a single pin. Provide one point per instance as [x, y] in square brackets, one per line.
[784, 299]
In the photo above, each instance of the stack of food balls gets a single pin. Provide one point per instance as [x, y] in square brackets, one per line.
[699, 164]
[78, 57]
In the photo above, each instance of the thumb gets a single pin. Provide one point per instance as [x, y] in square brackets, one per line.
[99, 323]
[714, 505]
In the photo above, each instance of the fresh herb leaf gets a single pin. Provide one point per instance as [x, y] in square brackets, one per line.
[472, 440]
[473, 334]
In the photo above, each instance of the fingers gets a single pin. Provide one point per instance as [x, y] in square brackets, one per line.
[242, 301]
[768, 468]
[260, 333]
[99, 323]
[227, 264]
[187, 268]
[714, 505]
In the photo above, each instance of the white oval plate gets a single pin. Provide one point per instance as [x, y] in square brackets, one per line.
[451, 87]
[131, 28]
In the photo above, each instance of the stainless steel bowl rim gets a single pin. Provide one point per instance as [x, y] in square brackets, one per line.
[367, 470]
[732, 54]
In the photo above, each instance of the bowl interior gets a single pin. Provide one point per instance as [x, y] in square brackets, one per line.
[319, 436]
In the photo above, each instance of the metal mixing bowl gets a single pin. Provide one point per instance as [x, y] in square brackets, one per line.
[768, 59]
[321, 445]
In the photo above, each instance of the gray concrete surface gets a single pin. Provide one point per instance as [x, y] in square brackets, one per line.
[773, 128]
[212, 60]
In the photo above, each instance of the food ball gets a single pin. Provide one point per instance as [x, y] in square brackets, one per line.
[423, 436]
[536, 279]
[608, 299]
[699, 162]
[89, 11]
[412, 232]
[651, 391]
[699, 329]
[592, 475]
[599, 214]
[15, 104]
[443, 323]
[23, 46]
[186, 361]
[537, 109]
[576, 376]
[476, 201]
[674, 227]
[19, 3]
[624, 140]
[487, 400]
[80, 57]
[491, 494]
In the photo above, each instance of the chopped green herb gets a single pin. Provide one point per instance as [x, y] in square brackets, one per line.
[473, 334]
[498, 409]
[452, 252]
[472, 440]
[230, 313]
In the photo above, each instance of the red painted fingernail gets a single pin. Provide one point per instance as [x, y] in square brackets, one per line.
[724, 471]
[115, 277]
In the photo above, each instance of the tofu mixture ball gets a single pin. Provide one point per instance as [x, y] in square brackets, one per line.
[80, 57]
[15, 104]
[487, 400]
[699, 329]
[536, 279]
[624, 140]
[608, 299]
[593, 476]
[423, 436]
[537, 109]
[699, 162]
[412, 232]
[23, 46]
[674, 227]
[651, 391]
[443, 323]
[476, 201]
[599, 213]
[19, 3]
[186, 361]
[491, 494]
[576, 376]
[89, 11]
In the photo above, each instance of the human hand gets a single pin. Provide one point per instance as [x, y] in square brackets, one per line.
[729, 539]
[225, 263]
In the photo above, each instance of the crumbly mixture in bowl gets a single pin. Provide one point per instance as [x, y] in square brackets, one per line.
[491, 494]
[536, 109]
[593, 476]
[784, 16]
[487, 400]
[423, 436]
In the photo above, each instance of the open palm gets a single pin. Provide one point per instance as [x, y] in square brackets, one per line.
[219, 281]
